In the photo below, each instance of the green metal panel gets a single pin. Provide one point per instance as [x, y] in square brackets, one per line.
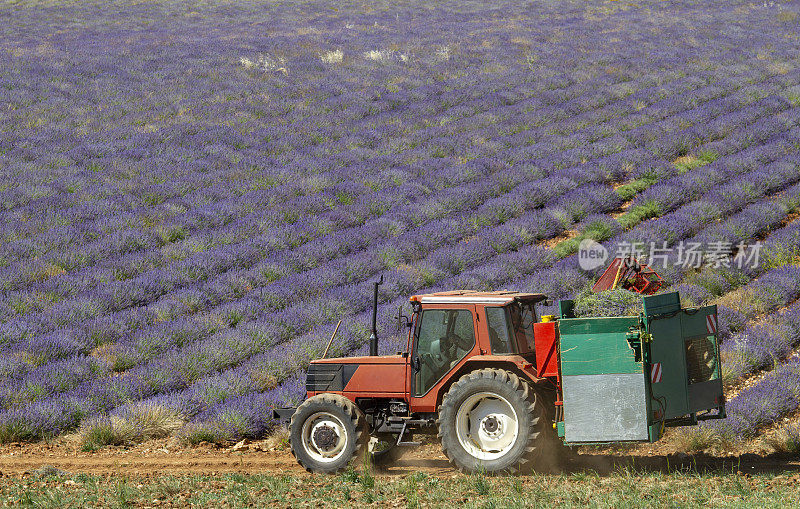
[597, 346]
[705, 392]
[638, 372]
[667, 348]
[661, 304]
[566, 308]
[656, 431]
[676, 335]
[603, 380]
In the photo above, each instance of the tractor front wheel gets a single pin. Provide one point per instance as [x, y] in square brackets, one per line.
[326, 432]
[491, 420]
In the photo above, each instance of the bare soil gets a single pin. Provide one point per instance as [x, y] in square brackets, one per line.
[551, 243]
[160, 457]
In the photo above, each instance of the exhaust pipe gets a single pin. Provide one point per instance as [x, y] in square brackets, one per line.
[373, 337]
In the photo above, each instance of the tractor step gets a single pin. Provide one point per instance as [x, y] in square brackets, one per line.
[283, 414]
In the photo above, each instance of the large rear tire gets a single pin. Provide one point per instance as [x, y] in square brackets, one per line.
[492, 421]
[326, 432]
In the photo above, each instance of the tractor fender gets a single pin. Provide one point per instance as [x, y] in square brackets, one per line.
[514, 363]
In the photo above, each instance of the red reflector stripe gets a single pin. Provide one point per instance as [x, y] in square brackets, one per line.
[655, 373]
[711, 324]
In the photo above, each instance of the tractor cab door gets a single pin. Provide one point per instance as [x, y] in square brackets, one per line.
[443, 338]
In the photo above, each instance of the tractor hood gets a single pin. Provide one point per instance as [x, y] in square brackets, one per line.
[367, 359]
[384, 374]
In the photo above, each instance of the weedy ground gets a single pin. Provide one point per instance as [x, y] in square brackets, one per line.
[624, 488]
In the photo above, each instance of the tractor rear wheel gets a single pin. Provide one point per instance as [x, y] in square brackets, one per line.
[326, 432]
[493, 421]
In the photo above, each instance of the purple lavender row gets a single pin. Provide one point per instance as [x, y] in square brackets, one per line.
[762, 404]
[762, 345]
[52, 243]
[730, 196]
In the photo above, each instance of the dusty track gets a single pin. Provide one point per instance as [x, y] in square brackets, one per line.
[157, 458]
[151, 458]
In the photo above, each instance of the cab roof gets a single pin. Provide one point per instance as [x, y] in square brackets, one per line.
[500, 297]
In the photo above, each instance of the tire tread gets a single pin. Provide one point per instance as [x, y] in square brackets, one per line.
[524, 391]
[350, 410]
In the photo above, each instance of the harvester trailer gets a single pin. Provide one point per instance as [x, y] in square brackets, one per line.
[503, 388]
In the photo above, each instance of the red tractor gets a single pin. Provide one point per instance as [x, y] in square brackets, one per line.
[498, 384]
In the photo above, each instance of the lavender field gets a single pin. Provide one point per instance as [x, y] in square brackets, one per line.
[192, 195]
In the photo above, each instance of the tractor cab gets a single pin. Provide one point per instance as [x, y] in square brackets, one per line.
[449, 332]
[453, 329]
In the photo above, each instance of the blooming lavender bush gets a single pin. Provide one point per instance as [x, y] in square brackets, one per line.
[189, 203]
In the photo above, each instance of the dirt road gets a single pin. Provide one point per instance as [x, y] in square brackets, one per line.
[161, 457]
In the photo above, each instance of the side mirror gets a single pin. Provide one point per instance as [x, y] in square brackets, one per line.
[402, 319]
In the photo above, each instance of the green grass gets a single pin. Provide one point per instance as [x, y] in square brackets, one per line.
[637, 214]
[631, 189]
[596, 230]
[99, 434]
[690, 162]
[624, 488]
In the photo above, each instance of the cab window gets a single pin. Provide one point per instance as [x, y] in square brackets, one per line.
[444, 337]
[501, 335]
[523, 317]
[510, 328]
